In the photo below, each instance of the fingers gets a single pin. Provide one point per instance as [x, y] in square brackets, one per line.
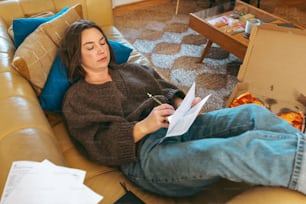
[196, 101]
[164, 122]
[161, 114]
[158, 118]
[164, 106]
[164, 109]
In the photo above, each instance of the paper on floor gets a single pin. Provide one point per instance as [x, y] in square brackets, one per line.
[43, 182]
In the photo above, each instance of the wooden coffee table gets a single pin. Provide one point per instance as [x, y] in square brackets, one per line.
[227, 37]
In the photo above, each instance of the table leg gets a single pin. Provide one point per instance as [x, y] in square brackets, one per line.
[177, 6]
[206, 49]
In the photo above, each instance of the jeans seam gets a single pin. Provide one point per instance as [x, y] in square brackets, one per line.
[298, 165]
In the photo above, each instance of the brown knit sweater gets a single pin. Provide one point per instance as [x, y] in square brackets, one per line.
[100, 118]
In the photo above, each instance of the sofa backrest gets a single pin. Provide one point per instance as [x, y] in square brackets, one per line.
[99, 11]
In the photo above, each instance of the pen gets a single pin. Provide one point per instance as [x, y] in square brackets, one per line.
[155, 99]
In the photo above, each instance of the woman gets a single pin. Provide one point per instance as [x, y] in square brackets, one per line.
[114, 123]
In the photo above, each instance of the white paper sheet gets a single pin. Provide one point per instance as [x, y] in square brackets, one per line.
[184, 116]
[44, 182]
[17, 171]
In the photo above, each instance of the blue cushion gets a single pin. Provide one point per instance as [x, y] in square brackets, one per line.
[22, 27]
[121, 52]
[57, 83]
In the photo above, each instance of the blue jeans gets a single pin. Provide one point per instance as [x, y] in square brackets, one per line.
[244, 144]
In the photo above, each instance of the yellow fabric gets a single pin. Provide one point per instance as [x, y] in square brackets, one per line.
[55, 28]
[34, 57]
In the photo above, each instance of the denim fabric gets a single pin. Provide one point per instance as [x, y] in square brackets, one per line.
[244, 144]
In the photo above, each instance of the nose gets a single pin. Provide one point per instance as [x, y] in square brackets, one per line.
[101, 49]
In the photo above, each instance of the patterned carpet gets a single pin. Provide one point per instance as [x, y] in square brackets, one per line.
[174, 49]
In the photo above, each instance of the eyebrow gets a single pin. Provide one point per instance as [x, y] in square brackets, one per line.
[91, 42]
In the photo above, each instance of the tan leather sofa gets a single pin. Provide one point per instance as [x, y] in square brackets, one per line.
[29, 133]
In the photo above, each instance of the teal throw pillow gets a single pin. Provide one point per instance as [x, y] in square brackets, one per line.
[121, 52]
[57, 83]
[22, 27]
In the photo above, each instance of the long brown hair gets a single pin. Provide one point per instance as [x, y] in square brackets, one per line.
[70, 48]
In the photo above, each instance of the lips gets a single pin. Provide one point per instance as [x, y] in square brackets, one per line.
[103, 59]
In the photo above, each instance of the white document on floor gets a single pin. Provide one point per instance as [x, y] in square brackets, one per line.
[45, 182]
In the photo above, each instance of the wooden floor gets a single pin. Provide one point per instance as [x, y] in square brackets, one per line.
[293, 10]
[292, 2]
[142, 4]
[146, 3]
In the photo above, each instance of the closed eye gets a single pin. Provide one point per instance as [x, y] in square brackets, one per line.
[90, 47]
[102, 41]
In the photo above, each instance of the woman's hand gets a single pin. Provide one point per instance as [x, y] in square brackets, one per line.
[155, 120]
[195, 101]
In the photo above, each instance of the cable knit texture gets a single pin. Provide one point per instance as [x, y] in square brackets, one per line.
[100, 118]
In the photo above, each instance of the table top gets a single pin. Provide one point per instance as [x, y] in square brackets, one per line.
[220, 16]
[225, 24]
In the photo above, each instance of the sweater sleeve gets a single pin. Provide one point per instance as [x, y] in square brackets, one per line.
[105, 138]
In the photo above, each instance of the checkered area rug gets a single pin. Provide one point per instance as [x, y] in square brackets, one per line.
[174, 49]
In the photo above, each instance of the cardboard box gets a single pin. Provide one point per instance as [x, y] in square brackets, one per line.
[274, 68]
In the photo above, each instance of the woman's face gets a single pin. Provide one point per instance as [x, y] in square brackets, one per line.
[95, 55]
